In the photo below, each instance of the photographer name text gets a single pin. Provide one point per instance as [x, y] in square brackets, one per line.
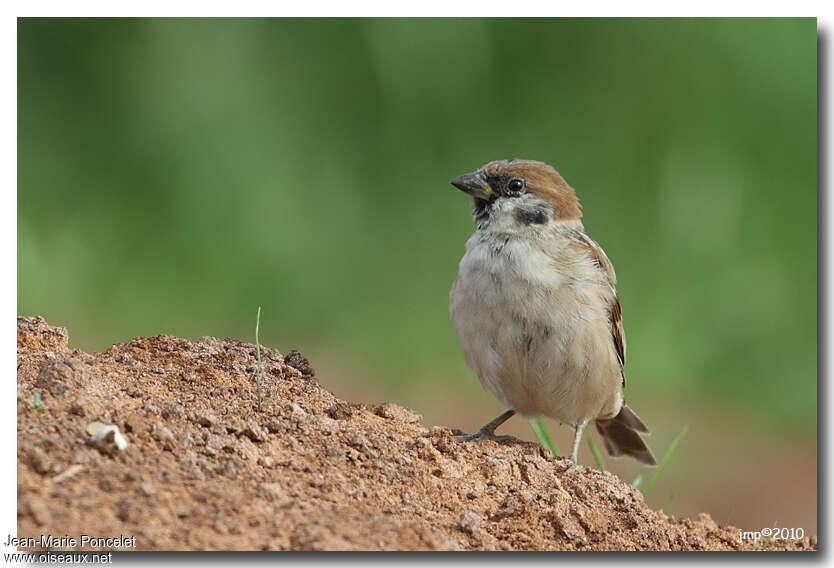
[50, 541]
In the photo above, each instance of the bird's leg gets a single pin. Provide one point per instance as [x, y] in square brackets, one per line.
[487, 432]
[574, 455]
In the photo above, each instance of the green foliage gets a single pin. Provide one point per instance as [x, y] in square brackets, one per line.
[153, 153]
[258, 347]
[664, 461]
[766, 543]
[595, 453]
[36, 401]
[543, 436]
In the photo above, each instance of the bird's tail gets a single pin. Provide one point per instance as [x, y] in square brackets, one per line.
[621, 436]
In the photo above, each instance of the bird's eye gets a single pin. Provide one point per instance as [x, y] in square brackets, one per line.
[516, 184]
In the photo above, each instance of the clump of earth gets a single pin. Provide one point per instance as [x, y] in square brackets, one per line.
[204, 469]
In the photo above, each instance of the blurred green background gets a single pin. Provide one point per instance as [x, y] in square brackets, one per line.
[175, 174]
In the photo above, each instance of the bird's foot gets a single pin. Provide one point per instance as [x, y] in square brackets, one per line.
[482, 435]
[574, 468]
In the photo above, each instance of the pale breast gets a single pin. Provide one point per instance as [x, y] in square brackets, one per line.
[533, 326]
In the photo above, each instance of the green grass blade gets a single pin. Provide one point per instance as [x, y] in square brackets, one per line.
[637, 481]
[258, 346]
[543, 436]
[669, 509]
[766, 543]
[596, 454]
[665, 461]
[36, 400]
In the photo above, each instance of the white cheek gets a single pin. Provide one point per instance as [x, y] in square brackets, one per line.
[504, 215]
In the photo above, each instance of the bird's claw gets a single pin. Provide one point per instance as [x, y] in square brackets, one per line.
[574, 468]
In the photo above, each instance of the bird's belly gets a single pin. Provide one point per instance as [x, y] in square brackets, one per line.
[537, 345]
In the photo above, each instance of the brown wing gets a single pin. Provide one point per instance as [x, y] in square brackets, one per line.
[615, 312]
[616, 317]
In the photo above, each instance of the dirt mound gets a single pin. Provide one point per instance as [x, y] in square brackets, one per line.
[205, 470]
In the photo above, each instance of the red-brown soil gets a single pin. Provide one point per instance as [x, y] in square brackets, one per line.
[204, 469]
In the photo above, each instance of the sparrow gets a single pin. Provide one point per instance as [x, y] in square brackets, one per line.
[536, 311]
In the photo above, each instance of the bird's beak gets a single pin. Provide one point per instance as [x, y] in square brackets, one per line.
[474, 184]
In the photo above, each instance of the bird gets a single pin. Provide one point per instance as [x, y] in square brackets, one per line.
[536, 312]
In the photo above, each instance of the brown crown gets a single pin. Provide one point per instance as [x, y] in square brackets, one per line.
[541, 180]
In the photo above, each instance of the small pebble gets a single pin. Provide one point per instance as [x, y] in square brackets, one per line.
[164, 435]
[254, 432]
[68, 473]
[469, 522]
[106, 436]
[204, 418]
[39, 460]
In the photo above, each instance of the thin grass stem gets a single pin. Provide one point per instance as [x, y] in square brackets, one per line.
[543, 436]
[258, 347]
[595, 453]
[665, 461]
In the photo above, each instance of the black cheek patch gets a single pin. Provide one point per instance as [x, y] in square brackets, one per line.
[532, 216]
[482, 208]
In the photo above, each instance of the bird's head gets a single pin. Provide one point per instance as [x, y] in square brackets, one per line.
[519, 193]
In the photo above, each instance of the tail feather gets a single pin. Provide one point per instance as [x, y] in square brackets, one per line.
[621, 436]
[631, 420]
